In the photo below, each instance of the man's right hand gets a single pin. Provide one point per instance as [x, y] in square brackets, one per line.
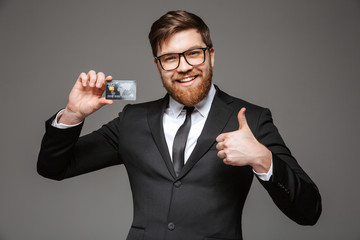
[85, 97]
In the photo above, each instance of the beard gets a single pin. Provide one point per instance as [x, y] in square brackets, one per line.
[190, 96]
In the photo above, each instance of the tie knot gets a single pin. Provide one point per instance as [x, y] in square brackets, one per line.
[189, 110]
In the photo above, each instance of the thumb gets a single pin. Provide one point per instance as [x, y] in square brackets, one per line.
[103, 101]
[242, 119]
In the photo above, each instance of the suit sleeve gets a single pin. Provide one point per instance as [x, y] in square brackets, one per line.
[291, 189]
[63, 154]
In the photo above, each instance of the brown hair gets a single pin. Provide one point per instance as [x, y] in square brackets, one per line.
[173, 22]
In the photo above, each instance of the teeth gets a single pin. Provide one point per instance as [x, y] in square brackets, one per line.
[187, 79]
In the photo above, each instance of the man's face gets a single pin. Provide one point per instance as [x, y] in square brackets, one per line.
[187, 84]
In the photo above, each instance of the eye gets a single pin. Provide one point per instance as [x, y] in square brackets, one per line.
[193, 53]
[169, 58]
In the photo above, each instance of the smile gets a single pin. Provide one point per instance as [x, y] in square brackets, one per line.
[188, 79]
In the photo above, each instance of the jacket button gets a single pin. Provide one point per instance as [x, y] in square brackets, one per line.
[171, 226]
[177, 184]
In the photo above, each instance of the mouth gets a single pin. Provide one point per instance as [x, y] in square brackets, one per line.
[187, 81]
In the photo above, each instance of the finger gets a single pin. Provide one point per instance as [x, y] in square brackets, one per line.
[221, 154]
[221, 137]
[109, 78]
[220, 146]
[83, 79]
[100, 79]
[230, 162]
[226, 161]
[242, 118]
[92, 78]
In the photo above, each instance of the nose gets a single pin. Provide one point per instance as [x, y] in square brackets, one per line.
[183, 65]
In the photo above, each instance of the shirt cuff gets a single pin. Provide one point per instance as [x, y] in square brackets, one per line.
[265, 176]
[62, 125]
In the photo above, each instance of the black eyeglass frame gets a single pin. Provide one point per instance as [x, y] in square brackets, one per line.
[204, 50]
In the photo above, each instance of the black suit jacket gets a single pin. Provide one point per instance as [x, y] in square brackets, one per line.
[206, 200]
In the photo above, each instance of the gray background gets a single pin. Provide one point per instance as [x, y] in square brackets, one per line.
[299, 58]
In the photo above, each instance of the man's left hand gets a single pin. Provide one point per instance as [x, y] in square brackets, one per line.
[240, 147]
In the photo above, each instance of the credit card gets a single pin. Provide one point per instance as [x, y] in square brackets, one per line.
[121, 90]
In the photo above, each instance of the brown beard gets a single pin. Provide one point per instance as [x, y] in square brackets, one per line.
[192, 95]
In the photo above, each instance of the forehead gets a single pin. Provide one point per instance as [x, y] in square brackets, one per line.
[181, 41]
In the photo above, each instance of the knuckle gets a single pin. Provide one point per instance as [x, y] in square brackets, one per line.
[230, 159]
[227, 162]
[227, 138]
[227, 152]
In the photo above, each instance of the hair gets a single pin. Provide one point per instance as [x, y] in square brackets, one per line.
[173, 22]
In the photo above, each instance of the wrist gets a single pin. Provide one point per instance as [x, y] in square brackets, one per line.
[263, 161]
[69, 117]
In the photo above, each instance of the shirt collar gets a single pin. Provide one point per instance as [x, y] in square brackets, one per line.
[203, 107]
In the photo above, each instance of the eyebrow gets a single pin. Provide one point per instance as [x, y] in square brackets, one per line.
[192, 47]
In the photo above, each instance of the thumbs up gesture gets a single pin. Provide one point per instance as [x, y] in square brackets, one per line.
[240, 147]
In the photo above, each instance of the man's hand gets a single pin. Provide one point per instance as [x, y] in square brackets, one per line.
[240, 148]
[85, 97]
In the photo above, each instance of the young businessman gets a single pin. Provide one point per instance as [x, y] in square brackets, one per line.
[190, 156]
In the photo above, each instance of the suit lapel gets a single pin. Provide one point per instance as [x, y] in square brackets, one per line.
[155, 116]
[219, 115]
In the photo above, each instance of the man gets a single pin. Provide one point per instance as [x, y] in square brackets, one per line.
[186, 184]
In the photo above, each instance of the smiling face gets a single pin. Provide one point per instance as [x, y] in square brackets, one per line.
[187, 84]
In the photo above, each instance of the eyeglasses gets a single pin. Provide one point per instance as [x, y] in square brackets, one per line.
[193, 57]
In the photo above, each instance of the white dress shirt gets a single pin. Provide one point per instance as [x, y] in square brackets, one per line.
[174, 117]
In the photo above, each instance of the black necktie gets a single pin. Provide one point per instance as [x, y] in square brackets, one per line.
[180, 141]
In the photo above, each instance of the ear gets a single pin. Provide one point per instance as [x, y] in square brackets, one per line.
[212, 56]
